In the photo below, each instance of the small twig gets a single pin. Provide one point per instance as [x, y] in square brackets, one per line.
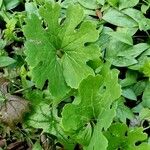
[21, 90]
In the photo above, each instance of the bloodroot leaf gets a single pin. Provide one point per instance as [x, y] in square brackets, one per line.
[13, 110]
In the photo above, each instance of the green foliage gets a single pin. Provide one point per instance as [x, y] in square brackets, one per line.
[75, 74]
[93, 103]
[6, 61]
[123, 112]
[10, 4]
[37, 146]
[41, 114]
[119, 18]
[120, 136]
[94, 96]
[65, 48]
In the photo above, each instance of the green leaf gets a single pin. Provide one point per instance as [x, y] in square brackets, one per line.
[138, 17]
[112, 50]
[129, 93]
[98, 140]
[130, 79]
[138, 108]
[123, 112]
[144, 8]
[119, 136]
[83, 136]
[37, 146]
[113, 2]
[123, 61]
[123, 37]
[146, 67]
[40, 115]
[94, 95]
[144, 114]
[89, 102]
[65, 48]
[10, 4]
[135, 50]
[146, 96]
[104, 38]
[139, 87]
[122, 55]
[43, 116]
[1, 2]
[126, 3]
[102, 2]
[10, 27]
[90, 4]
[119, 19]
[141, 60]
[128, 31]
[31, 8]
[144, 146]
[66, 3]
[2, 44]
[6, 61]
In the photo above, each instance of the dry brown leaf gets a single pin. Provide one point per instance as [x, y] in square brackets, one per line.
[13, 110]
[3, 85]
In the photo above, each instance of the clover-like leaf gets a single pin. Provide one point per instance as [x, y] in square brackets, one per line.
[57, 53]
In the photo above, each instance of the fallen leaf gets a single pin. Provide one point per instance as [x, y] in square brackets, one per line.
[3, 85]
[13, 110]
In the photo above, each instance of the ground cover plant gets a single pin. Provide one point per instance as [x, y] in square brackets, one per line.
[74, 75]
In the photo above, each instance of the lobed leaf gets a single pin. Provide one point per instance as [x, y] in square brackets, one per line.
[58, 52]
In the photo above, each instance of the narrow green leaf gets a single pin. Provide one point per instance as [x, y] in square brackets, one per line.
[123, 37]
[144, 8]
[131, 78]
[123, 61]
[1, 2]
[146, 96]
[37, 146]
[145, 114]
[135, 50]
[90, 4]
[113, 2]
[127, 4]
[119, 19]
[129, 94]
[6, 61]
[123, 112]
[138, 17]
[10, 4]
